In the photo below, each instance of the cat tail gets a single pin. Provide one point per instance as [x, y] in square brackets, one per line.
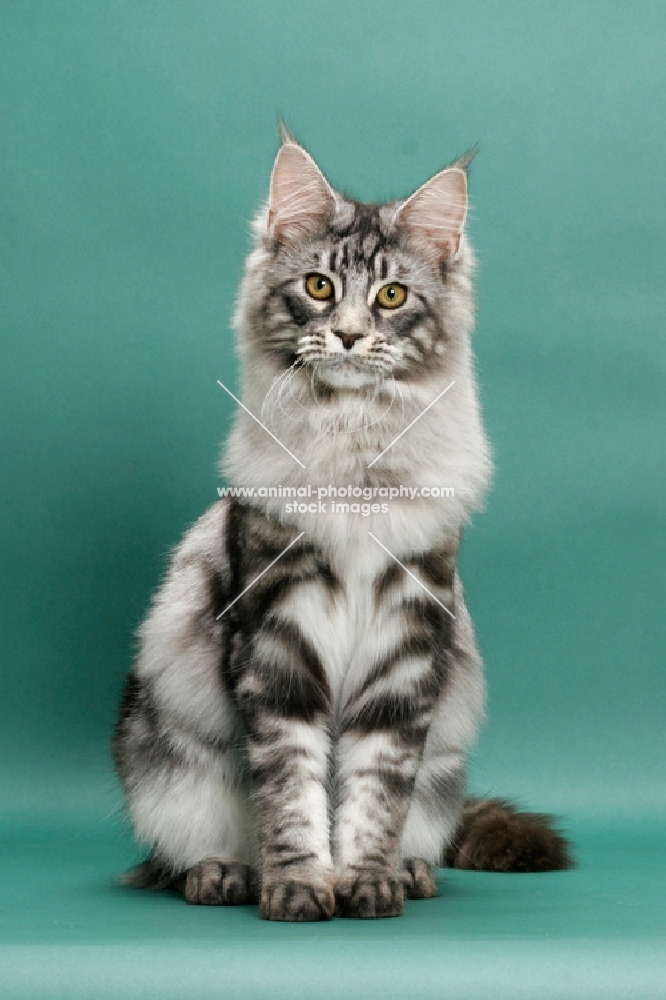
[150, 874]
[495, 836]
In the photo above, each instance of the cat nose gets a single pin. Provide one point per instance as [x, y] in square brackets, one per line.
[348, 339]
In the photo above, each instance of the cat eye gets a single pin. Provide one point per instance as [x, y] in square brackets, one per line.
[319, 286]
[391, 296]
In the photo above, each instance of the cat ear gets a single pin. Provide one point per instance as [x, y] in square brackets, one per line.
[435, 214]
[300, 196]
[285, 134]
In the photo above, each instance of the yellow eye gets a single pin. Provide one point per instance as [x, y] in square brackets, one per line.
[391, 296]
[319, 286]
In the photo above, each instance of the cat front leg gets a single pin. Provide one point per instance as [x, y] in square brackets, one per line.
[376, 778]
[277, 679]
[383, 733]
[283, 700]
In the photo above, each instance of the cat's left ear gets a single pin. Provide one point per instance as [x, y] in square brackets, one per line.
[435, 214]
[300, 196]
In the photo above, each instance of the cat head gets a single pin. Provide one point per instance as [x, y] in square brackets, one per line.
[350, 292]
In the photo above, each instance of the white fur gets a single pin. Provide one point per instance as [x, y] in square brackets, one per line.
[179, 660]
[195, 812]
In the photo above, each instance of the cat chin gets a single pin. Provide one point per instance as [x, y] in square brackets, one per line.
[345, 375]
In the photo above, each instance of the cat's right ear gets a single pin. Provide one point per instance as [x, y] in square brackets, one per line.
[300, 196]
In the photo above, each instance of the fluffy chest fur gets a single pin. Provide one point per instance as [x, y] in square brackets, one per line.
[368, 443]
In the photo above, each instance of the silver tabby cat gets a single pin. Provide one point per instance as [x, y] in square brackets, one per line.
[294, 730]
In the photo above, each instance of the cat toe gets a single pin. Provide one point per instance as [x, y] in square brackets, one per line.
[417, 879]
[292, 900]
[220, 883]
[369, 896]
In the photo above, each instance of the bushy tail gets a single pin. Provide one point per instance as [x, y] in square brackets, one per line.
[494, 836]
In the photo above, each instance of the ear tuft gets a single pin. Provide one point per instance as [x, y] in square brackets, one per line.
[285, 134]
[464, 161]
[300, 196]
[435, 214]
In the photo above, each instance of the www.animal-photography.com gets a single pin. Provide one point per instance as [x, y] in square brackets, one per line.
[333, 521]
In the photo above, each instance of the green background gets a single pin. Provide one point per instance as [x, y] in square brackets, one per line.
[136, 140]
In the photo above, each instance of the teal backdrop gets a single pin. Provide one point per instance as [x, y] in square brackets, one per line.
[136, 140]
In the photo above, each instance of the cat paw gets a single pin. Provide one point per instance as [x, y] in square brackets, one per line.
[292, 900]
[371, 895]
[417, 879]
[220, 883]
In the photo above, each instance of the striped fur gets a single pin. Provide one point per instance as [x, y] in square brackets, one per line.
[303, 741]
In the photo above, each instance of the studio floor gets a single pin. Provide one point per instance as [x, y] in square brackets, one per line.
[598, 931]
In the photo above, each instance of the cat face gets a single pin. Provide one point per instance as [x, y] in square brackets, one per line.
[354, 293]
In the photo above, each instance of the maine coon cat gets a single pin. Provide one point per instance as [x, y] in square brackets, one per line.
[295, 727]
